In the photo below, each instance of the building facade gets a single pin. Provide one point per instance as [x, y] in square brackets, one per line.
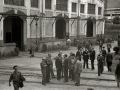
[24, 21]
[112, 8]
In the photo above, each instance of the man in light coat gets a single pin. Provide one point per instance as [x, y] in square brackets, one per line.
[77, 71]
[43, 66]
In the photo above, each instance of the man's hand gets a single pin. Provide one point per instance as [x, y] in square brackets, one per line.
[9, 84]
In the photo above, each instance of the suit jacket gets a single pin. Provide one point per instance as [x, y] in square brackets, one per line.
[43, 66]
[109, 57]
[71, 64]
[100, 60]
[49, 61]
[104, 52]
[58, 62]
[85, 55]
[92, 55]
[78, 67]
[65, 64]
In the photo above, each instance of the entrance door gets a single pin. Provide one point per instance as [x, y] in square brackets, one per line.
[60, 29]
[89, 28]
[13, 31]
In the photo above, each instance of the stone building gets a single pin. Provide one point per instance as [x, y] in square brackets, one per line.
[23, 21]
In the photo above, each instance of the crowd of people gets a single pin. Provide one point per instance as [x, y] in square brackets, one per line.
[70, 66]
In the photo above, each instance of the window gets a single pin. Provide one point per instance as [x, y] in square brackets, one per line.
[74, 7]
[91, 8]
[82, 8]
[47, 4]
[34, 3]
[99, 10]
[61, 5]
[14, 2]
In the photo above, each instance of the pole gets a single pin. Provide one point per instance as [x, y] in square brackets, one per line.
[78, 20]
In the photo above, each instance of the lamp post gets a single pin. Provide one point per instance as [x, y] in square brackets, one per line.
[78, 19]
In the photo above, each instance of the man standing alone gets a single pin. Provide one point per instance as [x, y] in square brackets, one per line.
[77, 71]
[15, 76]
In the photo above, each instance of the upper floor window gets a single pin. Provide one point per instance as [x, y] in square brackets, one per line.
[47, 4]
[99, 10]
[91, 8]
[34, 3]
[61, 5]
[14, 2]
[82, 7]
[74, 7]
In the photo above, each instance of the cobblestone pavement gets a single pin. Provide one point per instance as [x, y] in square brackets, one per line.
[30, 67]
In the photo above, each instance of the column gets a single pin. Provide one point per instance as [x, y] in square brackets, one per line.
[27, 4]
[54, 14]
[1, 22]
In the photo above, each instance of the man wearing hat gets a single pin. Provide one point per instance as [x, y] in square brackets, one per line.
[43, 70]
[15, 77]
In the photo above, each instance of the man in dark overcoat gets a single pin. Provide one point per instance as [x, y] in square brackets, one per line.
[92, 58]
[85, 58]
[48, 62]
[65, 68]
[58, 64]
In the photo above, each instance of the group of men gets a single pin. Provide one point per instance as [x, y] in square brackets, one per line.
[63, 64]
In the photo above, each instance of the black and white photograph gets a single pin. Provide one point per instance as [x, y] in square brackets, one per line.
[59, 44]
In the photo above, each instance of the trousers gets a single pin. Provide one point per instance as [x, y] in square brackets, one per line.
[58, 74]
[16, 85]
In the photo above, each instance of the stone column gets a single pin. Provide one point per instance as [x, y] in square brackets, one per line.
[1, 23]
[27, 4]
[54, 14]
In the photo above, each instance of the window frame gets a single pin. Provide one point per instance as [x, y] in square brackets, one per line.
[13, 3]
[82, 9]
[33, 4]
[61, 5]
[99, 10]
[48, 5]
[91, 8]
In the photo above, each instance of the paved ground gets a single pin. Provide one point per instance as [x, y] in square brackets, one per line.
[30, 68]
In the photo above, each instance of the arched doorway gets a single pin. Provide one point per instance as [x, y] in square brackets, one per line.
[89, 28]
[13, 30]
[60, 29]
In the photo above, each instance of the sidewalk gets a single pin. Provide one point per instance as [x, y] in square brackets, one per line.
[30, 67]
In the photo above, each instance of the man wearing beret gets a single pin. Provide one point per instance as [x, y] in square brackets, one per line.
[15, 77]
[43, 70]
